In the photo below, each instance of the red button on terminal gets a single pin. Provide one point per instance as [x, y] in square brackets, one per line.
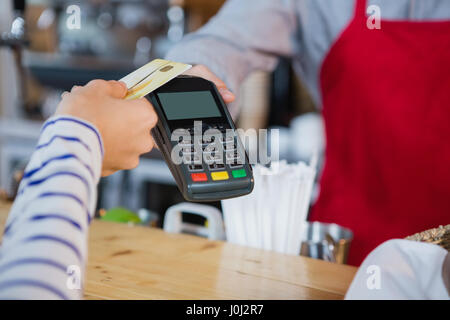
[197, 177]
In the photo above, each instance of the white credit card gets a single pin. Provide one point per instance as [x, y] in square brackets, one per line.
[152, 76]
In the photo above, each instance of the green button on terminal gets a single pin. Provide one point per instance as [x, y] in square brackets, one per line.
[239, 173]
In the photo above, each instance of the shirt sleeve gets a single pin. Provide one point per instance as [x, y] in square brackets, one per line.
[244, 36]
[44, 248]
[401, 269]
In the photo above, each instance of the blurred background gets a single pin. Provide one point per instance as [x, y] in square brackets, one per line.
[41, 56]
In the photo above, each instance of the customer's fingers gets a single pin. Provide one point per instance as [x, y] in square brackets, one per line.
[118, 89]
[145, 112]
[147, 144]
[108, 172]
[64, 94]
[113, 88]
[146, 119]
[75, 89]
[155, 145]
[123, 84]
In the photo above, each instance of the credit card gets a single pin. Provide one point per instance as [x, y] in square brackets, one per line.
[152, 76]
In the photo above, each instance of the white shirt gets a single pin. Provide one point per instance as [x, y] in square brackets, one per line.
[401, 269]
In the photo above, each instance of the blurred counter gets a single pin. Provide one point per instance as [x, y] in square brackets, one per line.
[63, 71]
[145, 263]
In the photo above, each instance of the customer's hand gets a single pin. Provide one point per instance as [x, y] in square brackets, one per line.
[203, 72]
[123, 124]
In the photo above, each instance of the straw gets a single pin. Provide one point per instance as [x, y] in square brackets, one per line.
[271, 217]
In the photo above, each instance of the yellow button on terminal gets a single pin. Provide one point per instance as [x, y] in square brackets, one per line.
[221, 175]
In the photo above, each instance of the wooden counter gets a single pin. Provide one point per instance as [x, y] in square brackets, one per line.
[129, 262]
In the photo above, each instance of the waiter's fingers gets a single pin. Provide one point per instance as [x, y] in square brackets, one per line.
[204, 72]
[64, 93]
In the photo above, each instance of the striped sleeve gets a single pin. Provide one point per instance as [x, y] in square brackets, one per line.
[44, 246]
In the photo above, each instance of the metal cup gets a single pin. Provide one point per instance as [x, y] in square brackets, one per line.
[326, 241]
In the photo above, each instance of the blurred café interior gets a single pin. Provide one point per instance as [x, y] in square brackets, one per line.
[40, 58]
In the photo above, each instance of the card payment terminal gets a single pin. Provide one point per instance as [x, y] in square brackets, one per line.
[197, 137]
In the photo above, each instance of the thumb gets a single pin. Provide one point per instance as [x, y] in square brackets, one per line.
[112, 88]
[117, 89]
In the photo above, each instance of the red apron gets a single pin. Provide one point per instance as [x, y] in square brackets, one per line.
[386, 106]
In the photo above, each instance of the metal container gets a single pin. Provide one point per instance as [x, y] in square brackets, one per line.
[326, 241]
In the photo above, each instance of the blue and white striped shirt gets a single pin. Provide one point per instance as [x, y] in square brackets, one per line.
[45, 238]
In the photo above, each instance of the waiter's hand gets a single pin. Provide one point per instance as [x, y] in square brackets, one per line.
[203, 72]
[123, 124]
